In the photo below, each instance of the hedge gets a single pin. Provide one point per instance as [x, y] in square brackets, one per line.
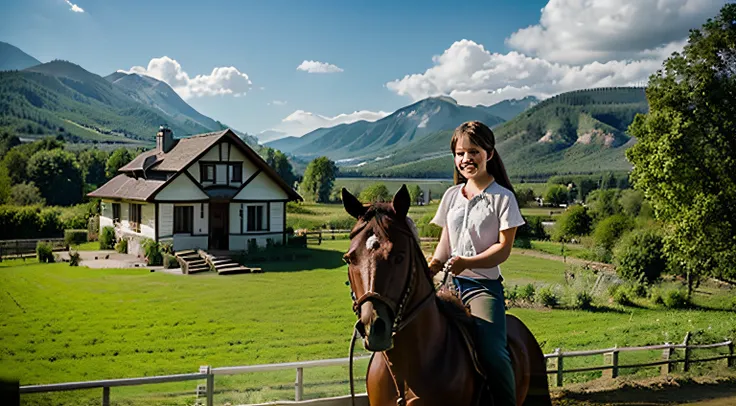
[24, 222]
[75, 237]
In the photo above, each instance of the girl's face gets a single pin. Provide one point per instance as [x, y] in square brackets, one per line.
[470, 159]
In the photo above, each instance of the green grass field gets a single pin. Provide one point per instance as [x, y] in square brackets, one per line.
[555, 248]
[65, 324]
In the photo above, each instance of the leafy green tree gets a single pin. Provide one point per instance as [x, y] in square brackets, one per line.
[639, 255]
[603, 203]
[684, 156]
[556, 194]
[574, 222]
[375, 192]
[4, 185]
[631, 202]
[414, 192]
[26, 194]
[57, 175]
[7, 142]
[608, 231]
[117, 160]
[93, 163]
[283, 167]
[524, 196]
[15, 161]
[319, 177]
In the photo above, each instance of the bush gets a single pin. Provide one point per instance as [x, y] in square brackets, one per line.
[75, 237]
[93, 228]
[26, 194]
[122, 246]
[376, 192]
[24, 222]
[574, 222]
[342, 223]
[582, 301]
[107, 238]
[44, 252]
[152, 252]
[639, 255]
[546, 296]
[609, 230]
[253, 247]
[532, 229]
[522, 243]
[676, 299]
[622, 297]
[170, 262]
[74, 258]
[166, 248]
[297, 208]
[527, 292]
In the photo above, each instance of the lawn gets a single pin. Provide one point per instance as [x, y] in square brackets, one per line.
[320, 215]
[555, 248]
[65, 324]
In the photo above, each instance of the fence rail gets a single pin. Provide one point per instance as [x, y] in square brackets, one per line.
[19, 248]
[554, 360]
[317, 236]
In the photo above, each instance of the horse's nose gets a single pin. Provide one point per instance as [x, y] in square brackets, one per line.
[367, 314]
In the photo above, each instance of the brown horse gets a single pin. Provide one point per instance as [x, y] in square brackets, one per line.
[420, 356]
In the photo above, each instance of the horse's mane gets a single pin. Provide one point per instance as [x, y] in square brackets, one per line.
[384, 214]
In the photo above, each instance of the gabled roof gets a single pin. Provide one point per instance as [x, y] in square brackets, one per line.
[185, 153]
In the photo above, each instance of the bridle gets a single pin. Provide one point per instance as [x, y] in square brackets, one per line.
[401, 320]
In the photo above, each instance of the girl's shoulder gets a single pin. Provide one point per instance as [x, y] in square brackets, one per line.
[496, 190]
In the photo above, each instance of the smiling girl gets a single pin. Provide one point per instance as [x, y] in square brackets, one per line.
[479, 217]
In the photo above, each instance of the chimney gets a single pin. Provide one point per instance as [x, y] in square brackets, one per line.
[165, 139]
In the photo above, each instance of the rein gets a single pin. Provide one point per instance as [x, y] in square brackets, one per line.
[400, 320]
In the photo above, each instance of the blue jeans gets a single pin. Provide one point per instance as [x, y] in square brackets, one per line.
[486, 300]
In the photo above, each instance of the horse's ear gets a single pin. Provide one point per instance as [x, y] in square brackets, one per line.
[352, 205]
[401, 201]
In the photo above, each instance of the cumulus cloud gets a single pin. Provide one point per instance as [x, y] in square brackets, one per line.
[302, 122]
[75, 8]
[318, 67]
[575, 32]
[222, 81]
[577, 44]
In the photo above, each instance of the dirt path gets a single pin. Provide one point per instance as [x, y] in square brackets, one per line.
[569, 260]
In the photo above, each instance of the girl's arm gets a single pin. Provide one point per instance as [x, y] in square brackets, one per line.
[493, 256]
[441, 253]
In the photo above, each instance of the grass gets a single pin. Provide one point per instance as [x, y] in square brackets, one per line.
[87, 246]
[320, 215]
[555, 248]
[65, 324]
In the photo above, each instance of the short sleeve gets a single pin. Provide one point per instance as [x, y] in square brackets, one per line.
[440, 218]
[510, 215]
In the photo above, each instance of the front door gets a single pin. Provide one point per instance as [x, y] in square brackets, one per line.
[219, 220]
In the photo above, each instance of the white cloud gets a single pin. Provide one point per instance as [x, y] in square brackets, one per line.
[277, 103]
[574, 31]
[302, 122]
[318, 67]
[75, 8]
[222, 81]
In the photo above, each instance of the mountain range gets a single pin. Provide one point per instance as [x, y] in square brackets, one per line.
[12, 58]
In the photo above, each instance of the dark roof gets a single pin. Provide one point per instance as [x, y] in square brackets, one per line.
[127, 187]
[182, 155]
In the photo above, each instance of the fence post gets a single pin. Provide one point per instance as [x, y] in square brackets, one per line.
[299, 384]
[667, 353]
[686, 343]
[611, 358]
[206, 369]
[558, 365]
[105, 396]
[731, 360]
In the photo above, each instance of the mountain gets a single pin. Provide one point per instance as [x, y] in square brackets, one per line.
[61, 98]
[371, 139]
[159, 95]
[271, 136]
[12, 58]
[575, 132]
[509, 109]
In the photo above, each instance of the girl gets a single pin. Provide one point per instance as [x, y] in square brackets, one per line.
[479, 217]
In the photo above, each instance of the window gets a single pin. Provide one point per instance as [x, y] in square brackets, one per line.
[208, 172]
[115, 213]
[256, 218]
[183, 219]
[134, 217]
[236, 172]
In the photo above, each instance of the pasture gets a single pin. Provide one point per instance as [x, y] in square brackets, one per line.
[66, 324]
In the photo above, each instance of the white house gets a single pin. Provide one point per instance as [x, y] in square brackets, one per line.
[208, 191]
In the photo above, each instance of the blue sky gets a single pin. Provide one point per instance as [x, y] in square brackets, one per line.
[386, 55]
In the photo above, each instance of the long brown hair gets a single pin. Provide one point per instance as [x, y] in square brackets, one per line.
[483, 137]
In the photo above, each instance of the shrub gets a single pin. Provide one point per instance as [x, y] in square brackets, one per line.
[656, 296]
[75, 237]
[376, 192]
[297, 208]
[342, 223]
[546, 296]
[21, 222]
[622, 297]
[574, 222]
[532, 229]
[74, 258]
[44, 253]
[122, 246]
[152, 252]
[107, 238]
[610, 229]
[253, 246]
[26, 194]
[582, 301]
[170, 262]
[522, 243]
[527, 292]
[676, 299]
[166, 248]
[639, 255]
[93, 228]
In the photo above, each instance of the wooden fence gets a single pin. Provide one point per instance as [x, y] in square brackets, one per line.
[317, 236]
[555, 360]
[22, 248]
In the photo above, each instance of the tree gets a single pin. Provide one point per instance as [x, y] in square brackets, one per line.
[574, 222]
[639, 256]
[15, 162]
[282, 166]
[4, 185]
[93, 163]
[556, 195]
[524, 196]
[117, 160]
[319, 178]
[57, 175]
[414, 193]
[376, 192]
[631, 202]
[684, 156]
[26, 194]
[603, 203]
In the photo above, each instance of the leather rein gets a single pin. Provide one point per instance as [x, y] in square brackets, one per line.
[401, 320]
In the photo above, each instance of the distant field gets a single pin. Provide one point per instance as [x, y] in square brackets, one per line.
[436, 187]
[66, 324]
[319, 215]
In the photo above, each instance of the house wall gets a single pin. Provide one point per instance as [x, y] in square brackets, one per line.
[106, 214]
[222, 153]
[181, 188]
[261, 188]
[123, 228]
[277, 216]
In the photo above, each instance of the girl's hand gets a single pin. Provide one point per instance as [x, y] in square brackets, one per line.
[435, 266]
[456, 265]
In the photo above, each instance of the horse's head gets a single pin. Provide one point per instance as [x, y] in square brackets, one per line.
[380, 265]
